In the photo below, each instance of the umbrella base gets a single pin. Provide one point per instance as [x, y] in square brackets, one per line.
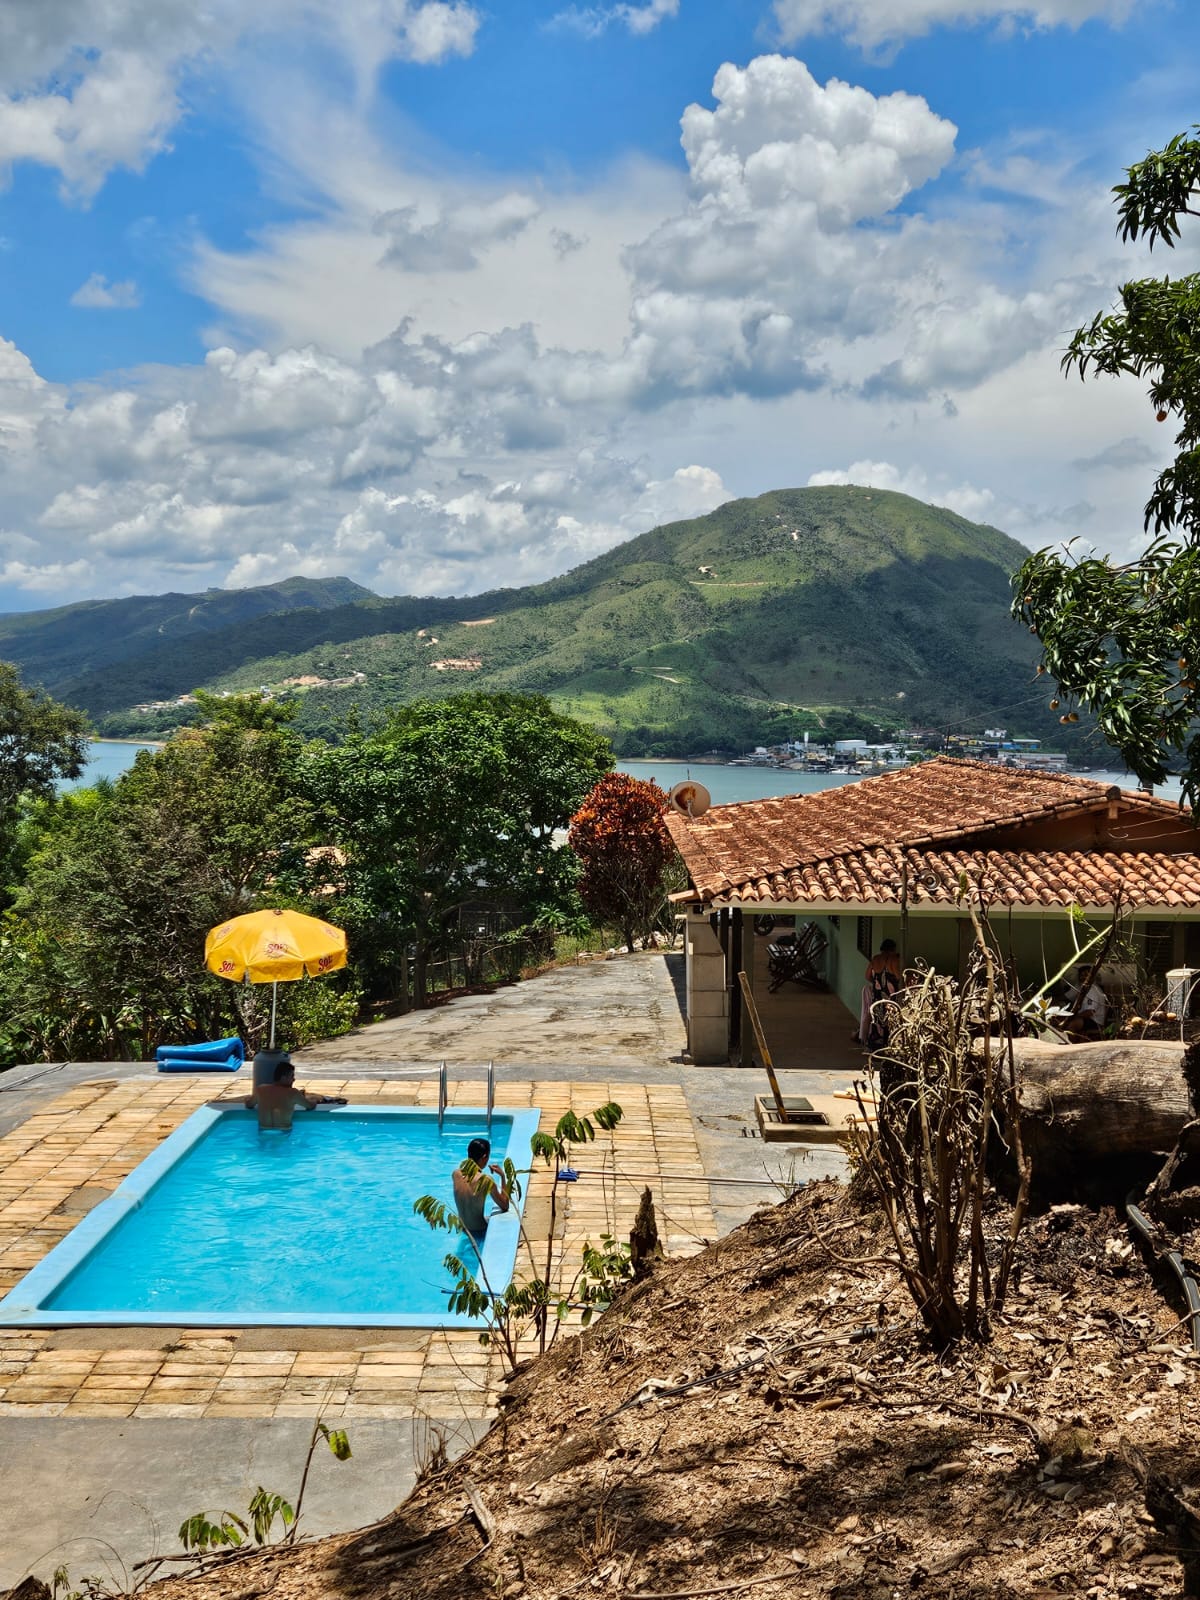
[265, 1063]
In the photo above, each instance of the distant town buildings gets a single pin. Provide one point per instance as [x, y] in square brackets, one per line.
[906, 747]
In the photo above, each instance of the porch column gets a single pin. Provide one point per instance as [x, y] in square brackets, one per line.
[707, 993]
[742, 1043]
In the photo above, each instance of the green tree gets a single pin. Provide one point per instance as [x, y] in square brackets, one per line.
[41, 741]
[1123, 640]
[107, 934]
[107, 930]
[235, 778]
[448, 803]
[626, 852]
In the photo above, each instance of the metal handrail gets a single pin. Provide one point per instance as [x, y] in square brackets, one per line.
[442, 1095]
[491, 1093]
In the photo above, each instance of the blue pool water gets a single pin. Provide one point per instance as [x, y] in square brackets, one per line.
[238, 1226]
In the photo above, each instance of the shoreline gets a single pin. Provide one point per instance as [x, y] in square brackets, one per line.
[142, 744]
[1128, 779]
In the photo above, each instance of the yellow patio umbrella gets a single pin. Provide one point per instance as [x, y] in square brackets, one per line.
[274, 947]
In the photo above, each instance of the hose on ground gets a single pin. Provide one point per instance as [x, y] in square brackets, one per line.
[1140, 1222]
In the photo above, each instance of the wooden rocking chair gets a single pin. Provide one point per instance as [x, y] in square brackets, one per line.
[797, 960]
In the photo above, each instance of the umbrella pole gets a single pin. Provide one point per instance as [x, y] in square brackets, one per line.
[274, 992]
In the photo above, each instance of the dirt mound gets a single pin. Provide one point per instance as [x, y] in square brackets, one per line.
[767, 1418]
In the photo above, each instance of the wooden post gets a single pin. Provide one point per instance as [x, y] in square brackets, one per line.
[760, 1038]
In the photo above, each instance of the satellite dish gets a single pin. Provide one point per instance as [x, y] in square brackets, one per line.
[690, 799]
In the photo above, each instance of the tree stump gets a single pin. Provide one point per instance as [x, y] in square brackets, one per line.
[643, 1237]
[1083, 1103]
[29, 1589]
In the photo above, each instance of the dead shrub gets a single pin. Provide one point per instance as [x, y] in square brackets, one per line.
[946, 1087]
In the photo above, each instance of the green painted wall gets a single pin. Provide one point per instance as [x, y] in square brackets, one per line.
[1038, 945]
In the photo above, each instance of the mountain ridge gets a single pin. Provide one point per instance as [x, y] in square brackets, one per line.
[768, 615]
[59, 645]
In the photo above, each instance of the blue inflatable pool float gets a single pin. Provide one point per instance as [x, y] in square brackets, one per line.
[217, 1055]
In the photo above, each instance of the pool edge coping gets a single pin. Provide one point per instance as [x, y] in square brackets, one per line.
[54, 1269]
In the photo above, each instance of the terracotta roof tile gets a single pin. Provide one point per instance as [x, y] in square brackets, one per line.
[1006, 877]
[857, 844]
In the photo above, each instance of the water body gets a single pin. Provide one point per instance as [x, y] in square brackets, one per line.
[188, 1246]
[107, 758]
[110, 758]
[730, 784]
[727, 784]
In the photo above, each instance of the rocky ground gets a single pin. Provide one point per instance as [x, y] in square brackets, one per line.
[768, 1419]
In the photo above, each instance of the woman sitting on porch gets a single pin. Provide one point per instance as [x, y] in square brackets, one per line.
[882, 981]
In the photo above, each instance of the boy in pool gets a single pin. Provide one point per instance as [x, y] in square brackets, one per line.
[275, 1102]
[471, 1193]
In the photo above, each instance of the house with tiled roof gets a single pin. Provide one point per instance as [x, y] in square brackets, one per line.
[891, 857]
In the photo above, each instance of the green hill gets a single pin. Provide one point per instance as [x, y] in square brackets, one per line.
[757, 620]
[78, 644]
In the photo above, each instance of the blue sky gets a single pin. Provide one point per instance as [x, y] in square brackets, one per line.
[442, 296]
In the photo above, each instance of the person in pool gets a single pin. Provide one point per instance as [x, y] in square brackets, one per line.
[275, 1102]
[471, 1191]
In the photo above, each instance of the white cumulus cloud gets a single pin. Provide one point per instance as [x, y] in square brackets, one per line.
[788, 246]
[430, 33]
[397, 469]
[86, 88]
[438, 384]
[452, 239]
[965, 498]
[796, 257]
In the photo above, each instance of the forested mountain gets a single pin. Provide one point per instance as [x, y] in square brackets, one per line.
[754, 621]
[74, 645]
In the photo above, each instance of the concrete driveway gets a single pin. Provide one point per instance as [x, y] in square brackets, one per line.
[623, 1012]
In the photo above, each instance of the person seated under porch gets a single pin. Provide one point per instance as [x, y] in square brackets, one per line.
[881, 982]
[1090, 1005]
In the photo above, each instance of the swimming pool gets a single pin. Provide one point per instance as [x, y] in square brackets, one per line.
[227, 1226]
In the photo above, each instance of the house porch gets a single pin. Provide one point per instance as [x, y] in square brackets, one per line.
[811, 1030]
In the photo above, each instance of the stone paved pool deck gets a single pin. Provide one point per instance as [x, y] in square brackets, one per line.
[168, 1419]
[65, 1158]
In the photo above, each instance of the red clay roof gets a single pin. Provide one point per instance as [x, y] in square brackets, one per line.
[854, 844]
[1005, 877]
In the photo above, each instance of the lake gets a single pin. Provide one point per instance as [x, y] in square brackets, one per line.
[727, 784]
[111, 757]
[107, 758]
[730, 784]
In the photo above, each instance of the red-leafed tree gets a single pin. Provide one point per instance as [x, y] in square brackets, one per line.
[620, 837]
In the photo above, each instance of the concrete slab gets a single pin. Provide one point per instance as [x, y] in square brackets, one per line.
[775, 1129]
[621, 1012]
[838, 1110]
[808, 1031]
[130, 1483]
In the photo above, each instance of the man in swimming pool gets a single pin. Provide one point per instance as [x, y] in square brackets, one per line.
[275, 1102]
[471, 1192]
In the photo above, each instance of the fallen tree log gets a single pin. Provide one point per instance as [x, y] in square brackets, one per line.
[1110, 1097]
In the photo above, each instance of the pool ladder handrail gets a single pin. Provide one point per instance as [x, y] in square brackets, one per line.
[443, 1094]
